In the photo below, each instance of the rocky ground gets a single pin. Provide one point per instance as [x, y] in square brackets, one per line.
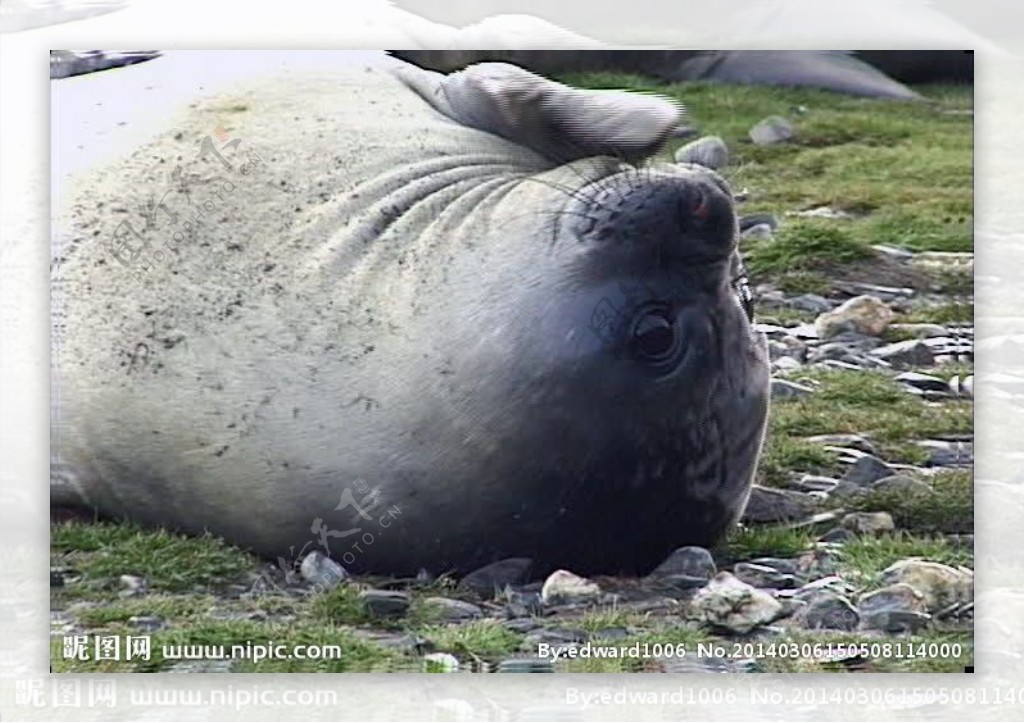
[856, 549]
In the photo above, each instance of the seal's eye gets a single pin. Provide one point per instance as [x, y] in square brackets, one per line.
[653, 336]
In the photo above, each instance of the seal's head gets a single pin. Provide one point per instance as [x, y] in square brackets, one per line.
[610, 387]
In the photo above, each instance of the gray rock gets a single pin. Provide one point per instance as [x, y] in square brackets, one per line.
[709, 151]
[921, 331]
[554, 636]
[853, 441]
[521, 604]
[692, 562]
[869, 523]
[811, 302]
[773, 129]
[828, 611]
[521, 625]
[900, 596]
[923, 381]
[760, 232]
[762, 576]
[896, 622]
[322, 571]
[785, 364]
[451, 609]
[56, 577]
[563, 587]
[783, 390]
[385, 603]
[837, 535]
[868, 469]
[757, 219]
[914, 352]
[526, 665]
[726, 602]
[147, 623]
[903, 485]
[490, 580]
[766, 504]
[948, 454]
[782, 564]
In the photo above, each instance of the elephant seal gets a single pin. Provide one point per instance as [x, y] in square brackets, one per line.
[415, 320]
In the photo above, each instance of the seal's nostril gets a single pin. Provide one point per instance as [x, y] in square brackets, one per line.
[700, 207]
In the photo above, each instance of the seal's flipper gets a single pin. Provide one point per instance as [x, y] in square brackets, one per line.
[559, 122]
[833, 70]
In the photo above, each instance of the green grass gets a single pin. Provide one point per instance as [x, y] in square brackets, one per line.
[948, 509]
[746, 543]
[861, 402]
[806, 245]
[481, 639]
[168, 561]
[864, 558]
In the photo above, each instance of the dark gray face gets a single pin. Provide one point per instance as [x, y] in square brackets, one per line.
[630, 412]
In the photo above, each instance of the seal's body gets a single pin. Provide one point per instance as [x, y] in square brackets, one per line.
[421, 321]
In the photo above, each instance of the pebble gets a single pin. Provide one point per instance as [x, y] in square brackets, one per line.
[451, 609]
[940, 585]
[767, 504]
[782, 389]
[911, 353]
[773, 129]
[762, 576]
[925, 382]
[709, 151]
[385, 603]
[148, 623]
[823, 212]
[693, 563]
[853, 441]
[785, 364]
[868, 469]
[490, 580]
[816, 483]
[321, 570]
[827, 610]
[867, 314]
[726, 602]
[132, 586]
[869, 523]
[894, 252]
[921, 331]
[525, 665]
[554, 637]
[440, 663]
[563, 587]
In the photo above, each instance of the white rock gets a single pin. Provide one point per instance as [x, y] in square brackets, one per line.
[867, 314]
[563, 586]
[728, 603]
